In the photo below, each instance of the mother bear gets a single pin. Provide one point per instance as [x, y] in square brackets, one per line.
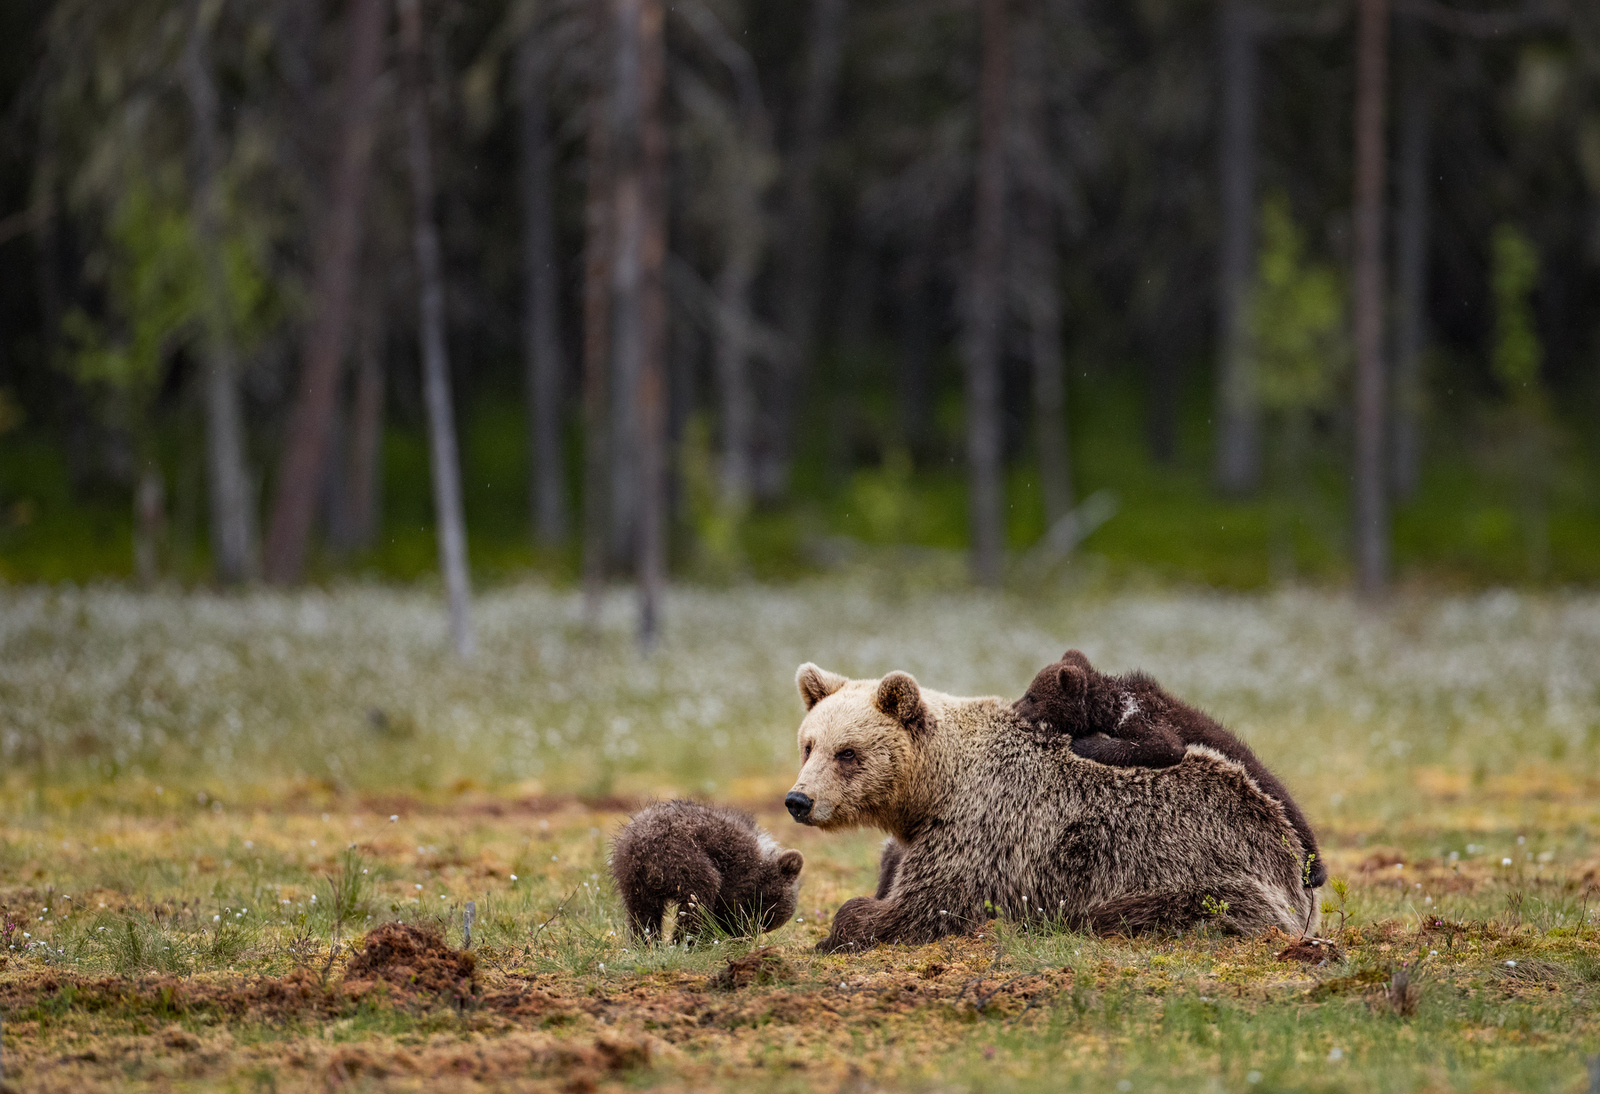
[991, 818]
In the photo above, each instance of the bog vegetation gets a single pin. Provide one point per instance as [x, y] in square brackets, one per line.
[213, 802]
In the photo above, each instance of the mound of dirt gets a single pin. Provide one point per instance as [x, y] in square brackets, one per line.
[762, 966]
[1313, 951]
[414, 961]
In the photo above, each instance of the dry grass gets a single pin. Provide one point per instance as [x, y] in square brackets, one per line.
[186, 778]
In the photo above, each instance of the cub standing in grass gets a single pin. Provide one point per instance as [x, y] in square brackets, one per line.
[712, 862]
[1130, 721]
[992, 817]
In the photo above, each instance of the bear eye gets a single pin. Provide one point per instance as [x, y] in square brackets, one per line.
[808, 752]
[845, 756]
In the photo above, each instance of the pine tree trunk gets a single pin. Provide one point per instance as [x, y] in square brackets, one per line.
[1372, 527]
[443, 459]
[541, 321]
[986, 302]
[232, 512]
[732, 353]
[333, 288]
[639, 286]
[1238, 430]
[366, 432]
[800, 262]
[1411, 261]
[598, 217]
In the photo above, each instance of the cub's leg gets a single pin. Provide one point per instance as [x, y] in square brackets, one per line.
[697, 884]
[1138, 746]
[645, 911]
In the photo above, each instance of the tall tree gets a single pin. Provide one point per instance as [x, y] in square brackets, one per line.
[597, 221]
[986, 299]
[232, 508]
[639, 284]
[1036, 263]
[541, 317]
[1238, 431]
[743, 146]
[443, 460]
[802, 237]
[365, 478]
[1372, 524]
[333, 290]
[1411, 261]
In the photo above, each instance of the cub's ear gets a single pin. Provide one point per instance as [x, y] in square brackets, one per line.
[1076, 658]
[790, 862]
[899, 697]
[816, 684]
[1073, 681]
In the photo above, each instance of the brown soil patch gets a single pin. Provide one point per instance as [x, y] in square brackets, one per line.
[1312, 951]
[762, 966]
[415, 961]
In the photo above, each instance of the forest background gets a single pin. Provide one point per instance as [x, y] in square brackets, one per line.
[730, 289]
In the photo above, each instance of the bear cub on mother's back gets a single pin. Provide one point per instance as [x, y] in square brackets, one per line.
[1130, 721]
[712, 862]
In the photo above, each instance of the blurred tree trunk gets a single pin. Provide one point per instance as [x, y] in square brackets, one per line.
[365, 479]
[443, 459]
[541, 317]
[333, 286]
[1372, 526]
[1411, 262]
[597, 216]
[639, 285]
[732, 352]
[231, 510]
[149, 523]
[802, 238]
[915, 381]
[1044, 349]
[1238, 433]
[1036, 262]
[986, 301]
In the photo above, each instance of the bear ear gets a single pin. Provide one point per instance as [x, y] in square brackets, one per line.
[1073, 681]
[899, 697]
[816, 684]
[790, 862]
[1077, 659]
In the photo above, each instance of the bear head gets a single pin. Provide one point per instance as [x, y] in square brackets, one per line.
[778, 892]
[1071, 698]
[856, 742]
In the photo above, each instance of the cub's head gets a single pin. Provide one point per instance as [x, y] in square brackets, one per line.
[778, 893]
[1065, 697]
[855, 742]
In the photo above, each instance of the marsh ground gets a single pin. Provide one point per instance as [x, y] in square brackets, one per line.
[209, 802]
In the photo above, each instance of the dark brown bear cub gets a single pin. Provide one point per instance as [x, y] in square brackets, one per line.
[712, 862]
[1129, 721]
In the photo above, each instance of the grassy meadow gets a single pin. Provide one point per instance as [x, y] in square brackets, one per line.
[210, 801]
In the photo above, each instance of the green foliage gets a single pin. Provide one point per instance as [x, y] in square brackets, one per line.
[716, 524]
[1517, 355]
[154, 291]
[1297, 318]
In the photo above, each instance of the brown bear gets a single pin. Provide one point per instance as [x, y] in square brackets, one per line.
[992, 818]
[1130, 721]
[712, 862]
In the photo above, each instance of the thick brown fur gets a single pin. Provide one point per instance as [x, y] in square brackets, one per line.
[992, 818]
[712, 862]
[1130, 721]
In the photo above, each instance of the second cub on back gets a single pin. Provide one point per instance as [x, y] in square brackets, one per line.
[1130, 721]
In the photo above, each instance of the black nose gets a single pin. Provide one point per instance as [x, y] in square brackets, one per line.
[799, 805]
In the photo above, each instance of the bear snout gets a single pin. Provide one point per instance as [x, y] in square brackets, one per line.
[799, 806]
